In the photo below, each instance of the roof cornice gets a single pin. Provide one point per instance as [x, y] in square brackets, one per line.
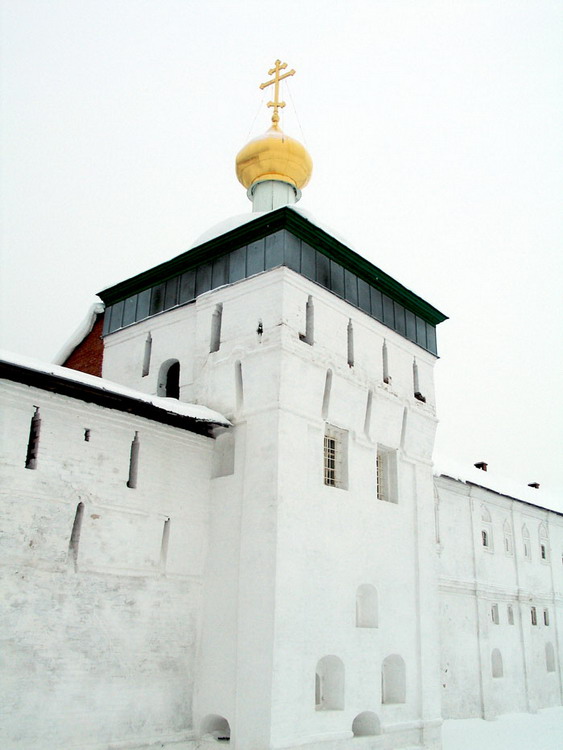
[262, 226]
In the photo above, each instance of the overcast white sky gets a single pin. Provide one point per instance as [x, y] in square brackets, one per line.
[436, 134]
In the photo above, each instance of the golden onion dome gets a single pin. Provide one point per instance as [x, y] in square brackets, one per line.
[274, 156]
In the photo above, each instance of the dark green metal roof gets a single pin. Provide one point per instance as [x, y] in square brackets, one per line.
[262, 226]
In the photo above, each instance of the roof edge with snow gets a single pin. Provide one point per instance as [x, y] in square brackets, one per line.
[85, 327]
[91, 389]
[499, 485]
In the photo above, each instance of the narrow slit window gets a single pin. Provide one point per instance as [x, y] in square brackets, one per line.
[510, 615]
[546, 617]
[495, 614]
[507, 538]
[385, 359]
[309, 336]
[533, 616]
[75, 536]
[486, 529]
[367, 420]
[350, 336]
[326, 394]
[147, 355]
[33, 441]
[526, 543]
[544, 543]
[216, 321]
[134, 462]
[164, 544]
[239, 390]
[416, 383]
[87, 433]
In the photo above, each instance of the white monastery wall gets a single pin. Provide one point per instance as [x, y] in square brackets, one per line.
[105, 632]
[233, 581]
[497, 595]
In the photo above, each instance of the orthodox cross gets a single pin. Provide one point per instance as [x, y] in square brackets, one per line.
[275, 71]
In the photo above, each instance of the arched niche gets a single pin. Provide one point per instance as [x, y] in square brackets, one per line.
[393, 680]
[329, 684]
[366, 724]
[217, 727]
[169, 379]
[367, 615]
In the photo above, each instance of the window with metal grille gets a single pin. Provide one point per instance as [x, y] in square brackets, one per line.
[380, 466]
[386, 475]
[335, 472]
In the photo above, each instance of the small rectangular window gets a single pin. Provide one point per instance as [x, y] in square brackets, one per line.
[203, 279]
[171, 293]
[534, 616]
[363, 296]
[376, 303]
[388, 312]
[337, 278]
[237, 264]
[510, 613]
[274, 250]
[546, 617]
[143, 304]
[308, 261]
[157, 299]
[431, 338]
[351, 287]
[420, 332]
[130, 310]
[386, 475]
[411, 325]
[187, 286]
[116, 316]
[335, 457]
[220, 271]
[495, 614]
[292, 253]
[255, 257]
[323, 270]
[400, 323]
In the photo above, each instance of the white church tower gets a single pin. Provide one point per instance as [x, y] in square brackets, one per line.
[319, 614]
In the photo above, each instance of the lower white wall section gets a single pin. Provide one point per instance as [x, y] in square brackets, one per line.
[102, 583]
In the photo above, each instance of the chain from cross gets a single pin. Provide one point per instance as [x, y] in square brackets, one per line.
[275, 71]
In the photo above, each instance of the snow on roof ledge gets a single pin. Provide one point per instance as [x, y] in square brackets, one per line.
[239, 220]
[80, 334]
[169, 405]
[492, 480]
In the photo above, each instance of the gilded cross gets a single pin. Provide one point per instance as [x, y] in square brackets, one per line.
[275, 71]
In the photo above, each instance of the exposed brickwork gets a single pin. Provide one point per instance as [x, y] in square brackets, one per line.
[88, 355]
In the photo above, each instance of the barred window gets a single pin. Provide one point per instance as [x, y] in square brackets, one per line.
[386, 475]
[335, 457]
